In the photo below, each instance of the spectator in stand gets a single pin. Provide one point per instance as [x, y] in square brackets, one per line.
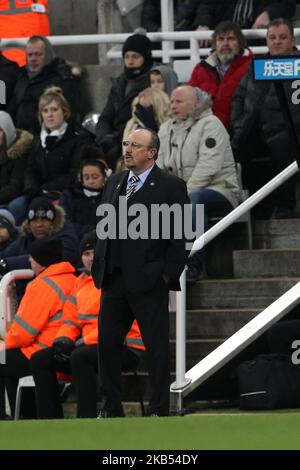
[164, 78]
[43, 220]
[8, 229]
[150, 109]
[14, 148]
[195, 146]
[258, 124]
[81, 201]
[247, 14]
[39, 313]
[9, 73]
[220, 74]
[43, 69]
[184, 15]
[53, 161]
[75, 346]
[137, 58]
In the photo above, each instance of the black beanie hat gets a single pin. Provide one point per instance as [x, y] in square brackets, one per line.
[88, 241]
[141, 44]
[41, 207]
[46, 251]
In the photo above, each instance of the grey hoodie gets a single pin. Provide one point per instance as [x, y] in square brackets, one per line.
[7, 125]
[169, 76]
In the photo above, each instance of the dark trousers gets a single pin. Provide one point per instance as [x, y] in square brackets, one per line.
[118, 310]
[43, 368]
[282, 155]
[83, 365]
[16, 366]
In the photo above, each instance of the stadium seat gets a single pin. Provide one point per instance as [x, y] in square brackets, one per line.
[28, 381]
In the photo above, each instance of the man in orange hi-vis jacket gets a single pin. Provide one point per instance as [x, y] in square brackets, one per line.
[23, 18]
[75, 347]
[39, 314]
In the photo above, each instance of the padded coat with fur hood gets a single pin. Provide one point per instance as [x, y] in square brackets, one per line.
[12, 167]
[16, 255]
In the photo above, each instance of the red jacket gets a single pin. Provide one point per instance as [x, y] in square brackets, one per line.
[40, 312]
[205, 76]
[80, 316]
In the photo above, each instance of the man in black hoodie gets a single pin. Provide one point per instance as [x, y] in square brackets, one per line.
[43, 69]
[137, 57]
[9, 72]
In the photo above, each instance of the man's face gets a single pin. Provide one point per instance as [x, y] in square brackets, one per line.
[41, 228]
[280, 40]
[133, 59]
[227, 46]
[87, 258]
[138, 156]
[35, 55]
[182, 103]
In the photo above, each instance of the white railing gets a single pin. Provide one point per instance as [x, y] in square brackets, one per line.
[186, 382]
[194, 52]
[7, 297]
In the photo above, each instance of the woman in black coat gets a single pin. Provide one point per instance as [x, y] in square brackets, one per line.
[81, 201]
[53, 162]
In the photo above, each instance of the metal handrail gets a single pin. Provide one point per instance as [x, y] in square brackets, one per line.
[194, 52]
[6, 309]
[183, 378]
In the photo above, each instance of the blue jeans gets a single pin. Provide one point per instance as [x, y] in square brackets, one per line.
[18, 207]
[212, 201]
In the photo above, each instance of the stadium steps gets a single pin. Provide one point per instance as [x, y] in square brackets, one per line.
[221, 304]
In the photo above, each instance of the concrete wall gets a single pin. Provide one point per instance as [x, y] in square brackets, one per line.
[69, 17]
[96, 86]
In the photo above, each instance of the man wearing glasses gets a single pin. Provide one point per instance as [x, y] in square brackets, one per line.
[136, 273]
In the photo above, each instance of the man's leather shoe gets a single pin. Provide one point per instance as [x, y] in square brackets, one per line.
[109, 414]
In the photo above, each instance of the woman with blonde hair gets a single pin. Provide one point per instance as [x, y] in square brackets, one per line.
[53, 160]
[150, 109]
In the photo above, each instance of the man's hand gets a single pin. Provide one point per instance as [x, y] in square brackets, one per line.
[262, 21]
[63, 348]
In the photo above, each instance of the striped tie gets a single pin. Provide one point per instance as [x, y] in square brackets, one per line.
[132, 186]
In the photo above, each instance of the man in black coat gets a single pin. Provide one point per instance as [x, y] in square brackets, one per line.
[43, 69]
[136, 273]
[137, 57]
[9, 73]
[258, 127]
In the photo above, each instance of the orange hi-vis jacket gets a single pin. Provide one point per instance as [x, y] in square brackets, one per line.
[23, 18]
[80, 316]
[39, 315]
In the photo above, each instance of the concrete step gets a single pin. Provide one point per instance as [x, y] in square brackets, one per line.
[237, 293]
[277, 234]
[267, 263]
[207, 323]
[195, 350]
